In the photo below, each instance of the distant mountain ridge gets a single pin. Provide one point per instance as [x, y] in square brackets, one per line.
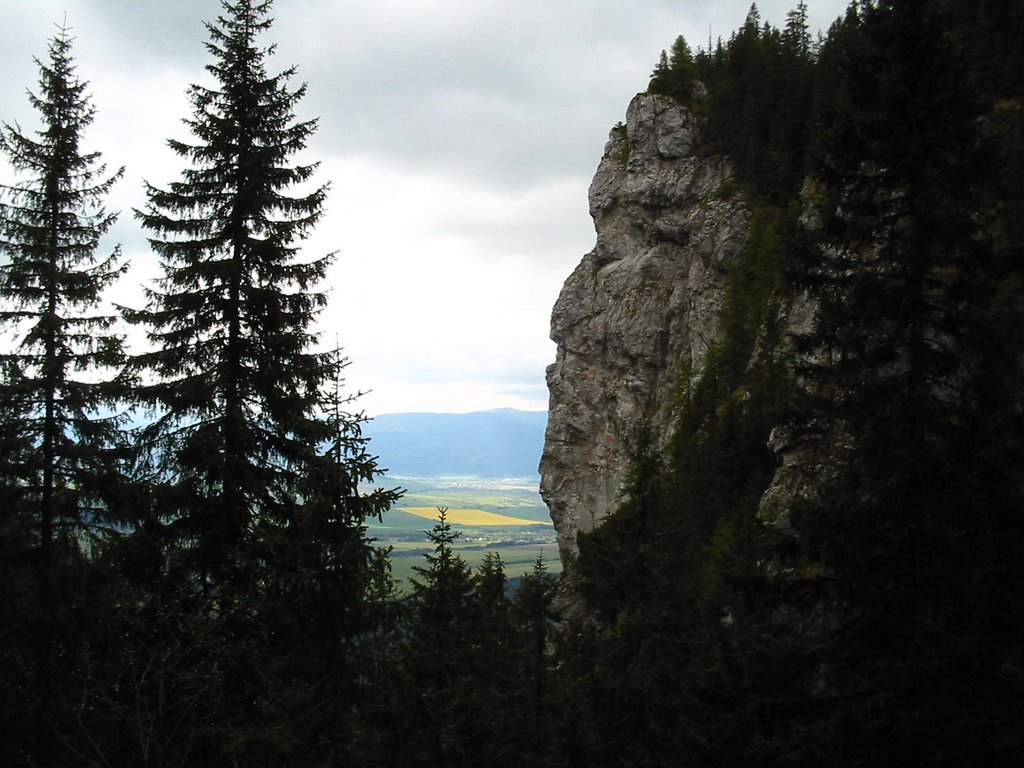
[503, 442]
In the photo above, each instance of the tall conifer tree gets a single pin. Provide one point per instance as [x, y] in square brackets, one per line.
[237, 388]
[59, 441]
[258, 463]
[52, 285]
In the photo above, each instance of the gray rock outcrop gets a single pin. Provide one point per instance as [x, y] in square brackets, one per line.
[639, 309]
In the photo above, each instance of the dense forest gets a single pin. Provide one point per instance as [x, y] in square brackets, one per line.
[186, 577]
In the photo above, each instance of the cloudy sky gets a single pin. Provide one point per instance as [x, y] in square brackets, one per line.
[459, 138]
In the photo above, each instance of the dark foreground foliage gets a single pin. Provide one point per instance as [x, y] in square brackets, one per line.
[879, 621]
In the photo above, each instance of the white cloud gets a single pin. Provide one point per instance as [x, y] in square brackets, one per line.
[434, 282]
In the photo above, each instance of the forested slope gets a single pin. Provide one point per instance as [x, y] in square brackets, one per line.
[816, 557]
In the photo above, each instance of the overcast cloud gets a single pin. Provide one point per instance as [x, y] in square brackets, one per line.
[459, 138]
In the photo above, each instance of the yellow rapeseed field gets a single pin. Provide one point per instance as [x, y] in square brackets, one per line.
[470, 516]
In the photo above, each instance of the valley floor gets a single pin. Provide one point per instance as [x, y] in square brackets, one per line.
[503, 515]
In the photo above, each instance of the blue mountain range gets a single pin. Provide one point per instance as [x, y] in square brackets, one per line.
[494, 444]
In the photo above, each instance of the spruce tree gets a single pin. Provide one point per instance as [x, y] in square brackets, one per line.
[60, 440]
[796, 34]
[323, 603]
[440, 595]
[236, 386]
[436, 646]
[257, 466]
[52, 285]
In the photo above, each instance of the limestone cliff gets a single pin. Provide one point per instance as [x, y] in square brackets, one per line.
[638, 308]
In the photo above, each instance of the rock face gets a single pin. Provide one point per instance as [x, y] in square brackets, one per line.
[638, 309]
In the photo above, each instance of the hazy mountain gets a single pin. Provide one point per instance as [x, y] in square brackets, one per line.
[497, 443]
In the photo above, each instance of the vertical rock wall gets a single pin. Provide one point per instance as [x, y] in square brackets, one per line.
[638, 308]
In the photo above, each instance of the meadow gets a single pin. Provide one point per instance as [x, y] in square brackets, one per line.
[506, 516]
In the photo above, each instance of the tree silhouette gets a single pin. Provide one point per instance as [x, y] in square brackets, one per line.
[60, 439]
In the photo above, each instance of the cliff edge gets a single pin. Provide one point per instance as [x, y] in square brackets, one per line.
[639, 309]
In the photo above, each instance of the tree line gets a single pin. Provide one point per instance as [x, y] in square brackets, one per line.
[200, 588]
[875, 618]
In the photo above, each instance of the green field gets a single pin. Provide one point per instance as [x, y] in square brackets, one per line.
[470, 517]
[503, 516]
